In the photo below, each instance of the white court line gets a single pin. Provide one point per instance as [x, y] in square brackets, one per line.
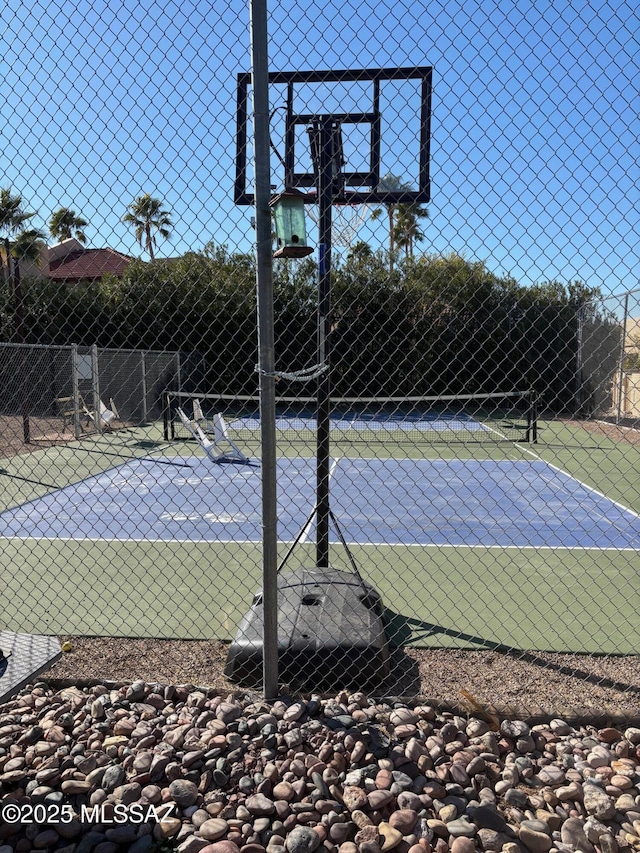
[584, 485]
[493, 547]
[225, 542]
[618, 426]
[305, 533]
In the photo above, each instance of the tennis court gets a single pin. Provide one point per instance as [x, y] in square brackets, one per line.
[506, 503]
[484, 538]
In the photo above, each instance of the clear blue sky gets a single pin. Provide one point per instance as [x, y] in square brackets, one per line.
[535, 118]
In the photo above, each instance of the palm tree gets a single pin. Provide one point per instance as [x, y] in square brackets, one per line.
[12, 218]
[360, 251]
[146, 215]
[27, 246]
[390, 183]
[64, 224]
[406, 229]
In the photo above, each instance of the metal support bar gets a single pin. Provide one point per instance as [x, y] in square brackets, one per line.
[623, 344]
[95, 387]
[166, 417]
[26, 426]
[531, 434]
[579, 379]
[75, 392]
[323, 357]
[266, 347]
[143, 370]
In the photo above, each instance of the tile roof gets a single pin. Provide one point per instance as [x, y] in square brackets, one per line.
[89, 264]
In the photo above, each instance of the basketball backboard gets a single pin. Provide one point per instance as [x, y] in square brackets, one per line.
[375, 124]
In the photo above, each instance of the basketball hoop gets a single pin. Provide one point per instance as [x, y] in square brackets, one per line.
[346, 220]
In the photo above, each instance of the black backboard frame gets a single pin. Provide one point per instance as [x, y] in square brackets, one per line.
[369, 179]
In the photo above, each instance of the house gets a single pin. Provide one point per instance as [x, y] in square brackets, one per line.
[71, 263]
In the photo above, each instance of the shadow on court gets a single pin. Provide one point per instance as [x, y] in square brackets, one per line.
[147, 444]
[5, 473]
[401, 630]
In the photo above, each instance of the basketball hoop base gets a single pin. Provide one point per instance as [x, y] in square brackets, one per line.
[330, 631]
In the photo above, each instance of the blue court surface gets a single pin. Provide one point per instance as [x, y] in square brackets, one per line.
[387, 501]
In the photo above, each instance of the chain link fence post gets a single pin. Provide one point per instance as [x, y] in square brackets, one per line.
[266, 358]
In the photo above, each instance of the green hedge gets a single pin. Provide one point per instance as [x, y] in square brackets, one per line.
[437, 324]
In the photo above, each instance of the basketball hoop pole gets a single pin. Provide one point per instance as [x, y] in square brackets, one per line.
[325, 196]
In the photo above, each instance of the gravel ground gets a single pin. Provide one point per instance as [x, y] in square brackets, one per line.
[150, 768]
[12, 435]
[627, 431]
[530, 685]
[44, 432]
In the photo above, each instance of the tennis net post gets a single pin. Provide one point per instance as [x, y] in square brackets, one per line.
[532, 418]
[168, 430]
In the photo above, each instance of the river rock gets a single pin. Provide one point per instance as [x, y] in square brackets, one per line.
[183, 792]
[403, 820]
[535, 836]
[213, 829]
[346, 774]
[598, 803]
[302, 839]
[461, 826]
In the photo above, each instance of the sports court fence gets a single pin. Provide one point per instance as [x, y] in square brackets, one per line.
[36, 377]
[451, 420]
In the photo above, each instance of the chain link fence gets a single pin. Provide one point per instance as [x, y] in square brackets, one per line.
[456, 382]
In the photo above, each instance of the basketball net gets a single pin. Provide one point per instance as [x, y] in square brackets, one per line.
[346, 221]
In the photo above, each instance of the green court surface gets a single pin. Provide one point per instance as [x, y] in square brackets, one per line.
[582, 600]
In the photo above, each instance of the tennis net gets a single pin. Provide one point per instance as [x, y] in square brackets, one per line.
[500, 417]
